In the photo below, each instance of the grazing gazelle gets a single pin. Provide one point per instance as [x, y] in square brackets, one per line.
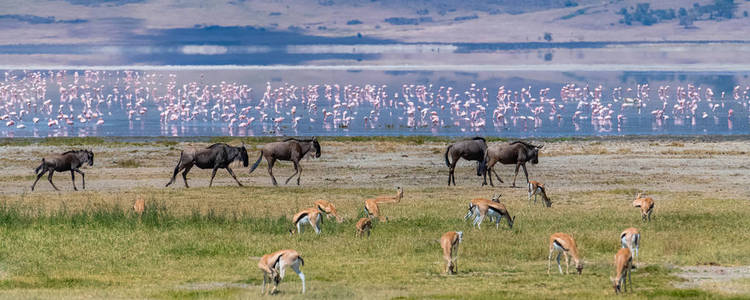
[495, 211]
[371, 205]
[631, 239]
[646, 204]
[449, 241]
[623, 261]
[306, 216]
[274, 266]
[329, 209]
[476, 201]
[564, 244]
[363, 226]
[537, 188]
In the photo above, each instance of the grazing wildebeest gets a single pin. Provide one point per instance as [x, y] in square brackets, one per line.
[472, 149]
[68, 161]
[517, 153]
[216, 156]
[290, 149]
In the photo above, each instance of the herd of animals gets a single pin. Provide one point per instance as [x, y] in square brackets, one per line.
[273, 266]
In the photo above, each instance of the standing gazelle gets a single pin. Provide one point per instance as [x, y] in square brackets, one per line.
[646, 204]
[306, 216]
[274, 266]
[623, 261]
[537, 188]
[450, 241]
[363, 226]
[631, 239]
[564, 244]
[329, 209]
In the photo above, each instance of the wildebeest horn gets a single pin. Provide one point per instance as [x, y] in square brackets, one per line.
[540, 146]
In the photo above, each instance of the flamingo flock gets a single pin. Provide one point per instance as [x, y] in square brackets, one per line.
[58, 103]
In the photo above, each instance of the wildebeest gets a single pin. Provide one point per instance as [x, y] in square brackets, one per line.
[216, 156]
[472, 149]
[68, 161]
[290, 149]
[517, 153]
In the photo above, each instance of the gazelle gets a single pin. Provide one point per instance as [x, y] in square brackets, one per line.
[140, 206]
[363, 226]
[564, 244]
[493, 210]
[371, 205]
[391, 199]
[372, 210]
[329, 209]
[476, 201]
[623, 261]
[450, 241]
[537, 188]
[274, 266]
[306, 216]
[646, 204]
[631, 239]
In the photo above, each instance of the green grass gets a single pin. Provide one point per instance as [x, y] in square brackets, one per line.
[85, 243]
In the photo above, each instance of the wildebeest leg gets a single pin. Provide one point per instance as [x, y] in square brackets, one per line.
[452, 174]
[73, 178]
[232, 173]
[489, 168]
[174, 174]
[37, 178]
[184, 174]
[498, 176]
[83, 177]
[49, 178]
[213, 174]
[300, 172]
[525, 173]
[270, 170]
[296, 170]
[518, 165]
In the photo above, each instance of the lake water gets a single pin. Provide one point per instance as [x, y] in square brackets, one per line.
[333, 101]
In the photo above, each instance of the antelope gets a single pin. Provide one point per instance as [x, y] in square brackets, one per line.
[450, 241]
[476, 201]
[140, 206]
[364, 225]
[329, 209]
[537, 188]
[646, 204]
[623, 261]
[306, 216]
[631, 239]
[493, 210]
[372, 210]
[371, 205]
[564, 244]
[274, 266]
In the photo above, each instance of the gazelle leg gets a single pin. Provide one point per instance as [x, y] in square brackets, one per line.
[567, 264]
[301, 275]
[559, 267]
[263, 287]
[549, 260]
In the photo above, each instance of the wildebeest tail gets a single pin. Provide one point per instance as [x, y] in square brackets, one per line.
[447, 162]
[257, 162]
[36, 171]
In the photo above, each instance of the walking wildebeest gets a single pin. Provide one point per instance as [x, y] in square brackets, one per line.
[290, 149]
[216, 156]
[472, 149]
[68, 161]
[517, 152]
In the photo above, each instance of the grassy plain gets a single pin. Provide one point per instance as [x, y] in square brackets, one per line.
[204, 242]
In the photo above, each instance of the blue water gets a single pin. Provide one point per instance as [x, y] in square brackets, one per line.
[220, 102]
